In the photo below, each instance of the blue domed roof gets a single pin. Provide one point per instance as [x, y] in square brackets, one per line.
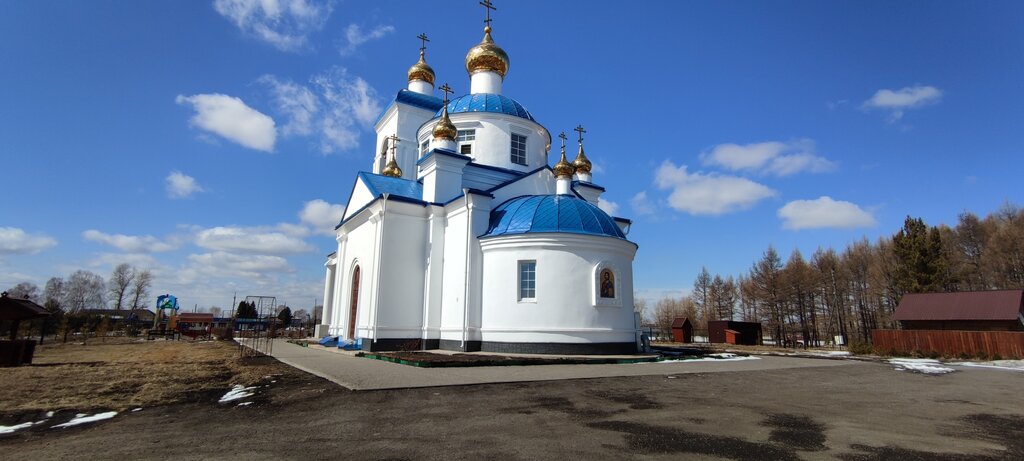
[486, 102]
[551, 213]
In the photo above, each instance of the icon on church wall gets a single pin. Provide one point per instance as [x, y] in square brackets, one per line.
[607, 284]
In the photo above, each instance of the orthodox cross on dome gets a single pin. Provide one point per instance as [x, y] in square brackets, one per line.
[446, 89]
[423, 42]
[579, 129]
[488, 6]
[563, 137]
[394, 141]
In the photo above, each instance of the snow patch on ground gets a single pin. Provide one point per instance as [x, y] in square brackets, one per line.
[16, 427]
[237, 392]
[722, 357]
[244, 404]
[926, 366]
[832, 353]
[83, 418]
[134, 410]
[1016, 365]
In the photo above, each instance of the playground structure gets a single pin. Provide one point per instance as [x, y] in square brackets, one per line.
[165, 324]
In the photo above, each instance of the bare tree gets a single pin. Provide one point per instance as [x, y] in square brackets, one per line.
[119, 284]
[24, 290]
[84, 290]
[702, 299]
[54, 293]
[140, 288]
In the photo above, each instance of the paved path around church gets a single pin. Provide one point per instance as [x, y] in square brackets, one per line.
[366, 374]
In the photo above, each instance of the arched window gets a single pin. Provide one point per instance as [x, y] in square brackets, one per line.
[353, 305]
[607, 283]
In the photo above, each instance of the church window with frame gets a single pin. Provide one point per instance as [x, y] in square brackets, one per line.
[465, 139]
[518, 149]
[424, 146]
[527, 280]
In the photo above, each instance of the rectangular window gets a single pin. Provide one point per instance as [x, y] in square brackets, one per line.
[518, 149]
[424, 146]
[465, 139]
[527, 280]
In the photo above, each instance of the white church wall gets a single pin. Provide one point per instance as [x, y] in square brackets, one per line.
[360, 197]
[402, 120]
[433, 275]
[564, 310]
[493, 143]
[453, 288]
[539, 183]
[403, 262]
[357, 247]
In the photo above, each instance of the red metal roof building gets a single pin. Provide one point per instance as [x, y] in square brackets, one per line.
[998, 310]
[682, 330]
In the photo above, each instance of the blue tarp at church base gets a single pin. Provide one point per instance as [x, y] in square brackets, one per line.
[350, 344]
[329, 341]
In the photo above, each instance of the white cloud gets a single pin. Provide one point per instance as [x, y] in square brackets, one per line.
[286, 24]
[824, 212]
[898, 101]
[16, 241]
[321, 216]
[350, 102]
[608, 206]
[773, 157]
[142, 261]
[298, 104]
[230, 118]
[180, 185]
[219, 264]
[354, 37]
[129, 243]
[250, 240]
[641, 204]
[708, 194]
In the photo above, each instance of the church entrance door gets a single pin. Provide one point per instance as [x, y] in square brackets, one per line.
[353, 305]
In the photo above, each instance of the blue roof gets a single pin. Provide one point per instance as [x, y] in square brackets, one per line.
[424, 101]
[551, 213]
[380, 185]
[486, 102]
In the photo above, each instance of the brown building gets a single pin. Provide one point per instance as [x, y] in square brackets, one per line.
[999, 310]
[732, 332]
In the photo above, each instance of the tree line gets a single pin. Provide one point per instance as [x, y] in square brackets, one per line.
[847, 293]
[69, 300]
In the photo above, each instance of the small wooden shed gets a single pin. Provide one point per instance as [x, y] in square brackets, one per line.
[682, 330]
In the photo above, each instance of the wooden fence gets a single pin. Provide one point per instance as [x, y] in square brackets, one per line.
[1005, 344]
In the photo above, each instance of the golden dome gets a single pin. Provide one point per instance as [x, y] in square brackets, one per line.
[562, 169]
[445, 129]
[421, 71]
[487, 56]
[582, 163]
[392, 169]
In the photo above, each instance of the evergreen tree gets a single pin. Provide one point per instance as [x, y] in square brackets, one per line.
[921, 260]
[246, 310]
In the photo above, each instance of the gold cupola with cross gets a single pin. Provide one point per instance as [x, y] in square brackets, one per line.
[421, 75]
[563, 169]
[445, 130]
[392, 169]
[581, 163]
[487, 56]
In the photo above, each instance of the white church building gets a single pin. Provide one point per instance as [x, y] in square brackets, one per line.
[462, 237]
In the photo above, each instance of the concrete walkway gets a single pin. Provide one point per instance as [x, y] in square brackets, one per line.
[357, 373]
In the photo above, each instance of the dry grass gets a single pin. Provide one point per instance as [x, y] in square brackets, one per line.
[123, 374]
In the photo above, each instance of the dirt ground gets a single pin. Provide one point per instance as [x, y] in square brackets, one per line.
[863, 412]
[120, 374]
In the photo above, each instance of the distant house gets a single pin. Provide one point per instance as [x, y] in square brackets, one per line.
[733, 332]
[682, 330]
[141, 317]
[195, 321]
[1000, 310]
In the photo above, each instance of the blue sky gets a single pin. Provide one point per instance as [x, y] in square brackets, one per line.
[214, 142]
